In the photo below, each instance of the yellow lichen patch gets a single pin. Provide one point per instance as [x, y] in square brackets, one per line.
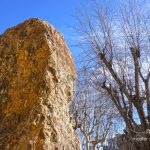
[42, 58]
[32, 141]
[23, 89]
[32, 98]
[17, 90]
[23, 64]
[15, 105]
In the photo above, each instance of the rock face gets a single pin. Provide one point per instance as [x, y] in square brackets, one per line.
[37, 78]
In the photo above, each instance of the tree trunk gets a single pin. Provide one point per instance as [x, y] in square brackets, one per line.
[87, 143]
[94, 146]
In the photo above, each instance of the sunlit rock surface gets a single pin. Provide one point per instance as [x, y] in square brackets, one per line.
[37, 77]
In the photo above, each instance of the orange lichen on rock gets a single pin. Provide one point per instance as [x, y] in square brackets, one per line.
[37, 76]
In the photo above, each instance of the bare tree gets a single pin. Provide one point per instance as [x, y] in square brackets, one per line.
[92, 113]
[117, 43]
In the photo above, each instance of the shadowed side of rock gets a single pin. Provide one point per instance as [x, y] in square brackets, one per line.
[37, 77]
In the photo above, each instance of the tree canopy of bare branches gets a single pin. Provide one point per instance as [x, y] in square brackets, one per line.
[93, 114]
[117, 43]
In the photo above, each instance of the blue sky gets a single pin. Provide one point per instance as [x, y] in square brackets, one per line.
[57, 12]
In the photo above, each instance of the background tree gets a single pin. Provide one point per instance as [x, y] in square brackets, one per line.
[117, 44]
[93, 114]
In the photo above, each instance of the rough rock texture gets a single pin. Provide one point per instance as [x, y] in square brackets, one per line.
[37, 78]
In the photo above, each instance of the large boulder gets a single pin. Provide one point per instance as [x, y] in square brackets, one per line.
[37, 77]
